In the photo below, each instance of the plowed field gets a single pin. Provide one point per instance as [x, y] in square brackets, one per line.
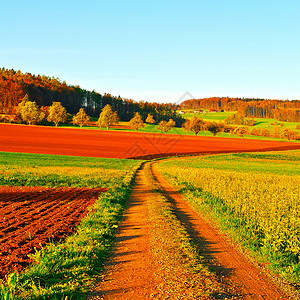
[115, 144]
[31, 216]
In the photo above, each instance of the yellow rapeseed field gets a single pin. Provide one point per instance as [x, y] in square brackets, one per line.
[271, 201]
[262, 203]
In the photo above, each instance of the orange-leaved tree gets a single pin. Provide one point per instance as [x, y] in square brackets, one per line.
[195, 124]
[150, 119]
[240, 131]
[289, 134]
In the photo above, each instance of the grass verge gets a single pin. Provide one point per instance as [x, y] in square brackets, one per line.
[69, 269]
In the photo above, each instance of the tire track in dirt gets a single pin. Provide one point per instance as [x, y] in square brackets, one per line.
[228, 263]
[129, 272]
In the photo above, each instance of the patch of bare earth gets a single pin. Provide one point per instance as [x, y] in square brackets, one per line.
[31, 217]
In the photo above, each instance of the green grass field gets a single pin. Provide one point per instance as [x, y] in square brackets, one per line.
[68, 270]
[254, 196]
[270, 124]
[55, 170]
[209, 116]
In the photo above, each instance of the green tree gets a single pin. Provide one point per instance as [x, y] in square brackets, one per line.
[107, 117]
[136, 122]
[150, 119]
[30, 113]
[81, 118]
[166, 126]
[214, 127]
[195, 124]
[57, 113]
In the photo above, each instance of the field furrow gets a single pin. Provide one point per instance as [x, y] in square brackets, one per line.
[32, 216]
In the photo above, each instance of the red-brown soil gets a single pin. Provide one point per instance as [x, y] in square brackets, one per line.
[32, 216]
[116, 144]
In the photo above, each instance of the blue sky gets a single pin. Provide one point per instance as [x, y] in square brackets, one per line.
[158, 50]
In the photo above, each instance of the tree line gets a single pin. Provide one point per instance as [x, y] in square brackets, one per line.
[28, 112]
[286, 111]
[44, 90]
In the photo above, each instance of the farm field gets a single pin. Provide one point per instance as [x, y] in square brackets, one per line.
[260, 123]
[32, 216]
[254, 196]
[209, 116]
[114, 144]
[62, 211]
[78, 258]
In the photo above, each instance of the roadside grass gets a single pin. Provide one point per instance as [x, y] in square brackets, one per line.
[253, 196]
[181, 271]
[68, 269]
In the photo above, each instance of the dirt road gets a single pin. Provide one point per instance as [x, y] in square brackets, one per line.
[129, 273]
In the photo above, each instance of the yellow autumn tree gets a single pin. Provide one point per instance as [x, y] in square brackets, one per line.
[107, 117]
[57, 113]
[81, 118]
[150, 119]
[165, 126]
[30, 113]
[136, 122]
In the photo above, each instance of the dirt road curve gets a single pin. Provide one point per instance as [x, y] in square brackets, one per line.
[117, 144]
[129, 274]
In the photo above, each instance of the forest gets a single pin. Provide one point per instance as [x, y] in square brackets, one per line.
[286, 111]
[44, 90]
